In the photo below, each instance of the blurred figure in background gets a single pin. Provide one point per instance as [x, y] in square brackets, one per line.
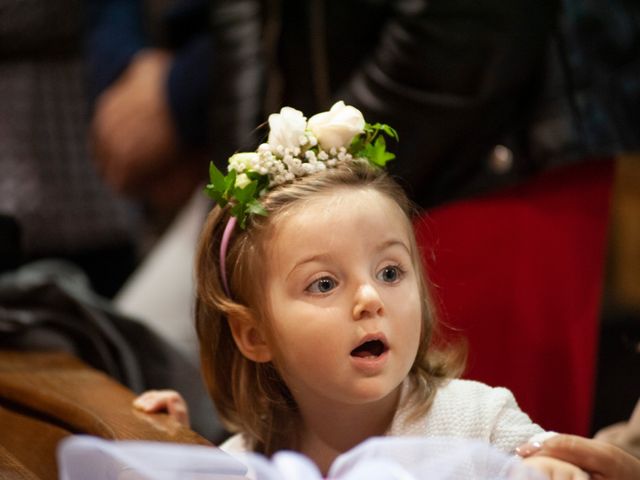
[151, 82]
[54, 204]
[50, 193]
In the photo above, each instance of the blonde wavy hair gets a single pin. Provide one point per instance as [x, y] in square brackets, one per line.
[251, 397]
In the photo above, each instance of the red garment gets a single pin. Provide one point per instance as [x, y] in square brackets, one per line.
[520, 273]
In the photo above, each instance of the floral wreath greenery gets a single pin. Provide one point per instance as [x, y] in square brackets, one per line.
[295, 148]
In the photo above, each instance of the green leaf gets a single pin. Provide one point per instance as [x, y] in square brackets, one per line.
[357, 144]
[263, 184]
[215, 195]
[237, 210]
[390, 131]
[377, 152]
[254, 207]
[374, 127]
[230, 182]
[217, 178]
[243, 195]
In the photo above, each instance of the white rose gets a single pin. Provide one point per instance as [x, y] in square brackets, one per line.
[243, 161]
[242, 180]
[337, 127]
[286, 128]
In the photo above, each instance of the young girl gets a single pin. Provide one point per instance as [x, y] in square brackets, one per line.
[313, 312]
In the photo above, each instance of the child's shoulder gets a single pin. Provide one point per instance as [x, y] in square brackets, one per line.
[479, 411]
[468, 409]
[473, 393]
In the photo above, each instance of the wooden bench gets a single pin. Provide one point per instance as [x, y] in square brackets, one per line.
[47, 396]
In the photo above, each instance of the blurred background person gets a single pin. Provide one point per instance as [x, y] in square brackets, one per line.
[151, 70]
[54, 204]
[150, 77]
[52, 199]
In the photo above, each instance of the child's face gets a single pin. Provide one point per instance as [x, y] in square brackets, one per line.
[345, 306]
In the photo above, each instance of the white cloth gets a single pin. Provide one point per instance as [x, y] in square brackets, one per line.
[383, 458]
[462, 409]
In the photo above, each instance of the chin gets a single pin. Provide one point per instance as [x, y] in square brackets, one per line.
[372, 390]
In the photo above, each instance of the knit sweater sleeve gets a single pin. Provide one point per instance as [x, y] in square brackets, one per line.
[472, 410]
[511, 427]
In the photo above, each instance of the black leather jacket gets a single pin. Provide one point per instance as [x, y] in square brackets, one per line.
[545, 82]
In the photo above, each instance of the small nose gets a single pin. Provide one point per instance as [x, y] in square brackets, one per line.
[367, 302]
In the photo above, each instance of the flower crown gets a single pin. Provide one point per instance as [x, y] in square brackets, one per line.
[295, 148]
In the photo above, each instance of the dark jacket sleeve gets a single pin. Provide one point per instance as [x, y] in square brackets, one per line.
[186, 27]
[237, 84]
[453, 77]
[189, 91]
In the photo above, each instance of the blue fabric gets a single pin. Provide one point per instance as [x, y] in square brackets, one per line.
[115, 32]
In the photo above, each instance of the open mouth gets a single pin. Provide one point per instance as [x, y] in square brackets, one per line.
[369, 349]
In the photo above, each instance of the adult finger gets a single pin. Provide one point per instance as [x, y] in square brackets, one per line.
[601, 459]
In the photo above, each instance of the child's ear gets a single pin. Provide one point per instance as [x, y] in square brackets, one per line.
[249, 338]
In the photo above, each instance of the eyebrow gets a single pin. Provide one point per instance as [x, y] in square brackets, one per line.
[323, 256]
[393, 243]
[310, 259]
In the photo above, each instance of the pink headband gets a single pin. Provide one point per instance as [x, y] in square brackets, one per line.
[226, 235]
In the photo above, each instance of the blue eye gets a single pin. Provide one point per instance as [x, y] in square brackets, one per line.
[390, 274]
[322, 285]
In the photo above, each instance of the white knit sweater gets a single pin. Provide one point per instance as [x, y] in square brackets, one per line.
[461, 409]
[471, 410]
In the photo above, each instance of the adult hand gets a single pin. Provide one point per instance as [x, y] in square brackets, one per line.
[133, 134]
[626, 435]
[602, 460]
